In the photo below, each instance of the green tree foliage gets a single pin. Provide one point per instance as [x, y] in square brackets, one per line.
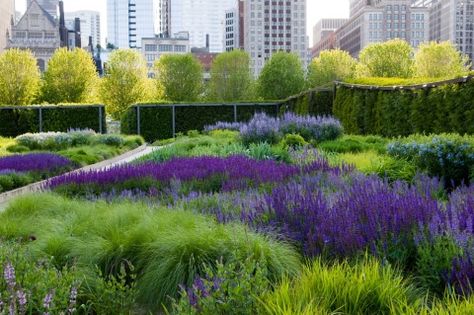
[440, 60]
[179, 77]
[281, 77]
[125, 83]
[389, 59]
[231, 79]
[331, 65]
[19, 77]
[71, 77]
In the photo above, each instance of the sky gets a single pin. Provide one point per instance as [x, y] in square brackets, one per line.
[317, 9]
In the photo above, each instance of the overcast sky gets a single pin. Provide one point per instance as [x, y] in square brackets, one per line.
[317, 9]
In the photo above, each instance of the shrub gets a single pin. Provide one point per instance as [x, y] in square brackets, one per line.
[261, 128]
[311, 128]
[111, 140]
[448, 156]
[367, 287]
[354, 144]
[293, 141]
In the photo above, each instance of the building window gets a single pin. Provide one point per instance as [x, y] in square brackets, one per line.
[149, 47]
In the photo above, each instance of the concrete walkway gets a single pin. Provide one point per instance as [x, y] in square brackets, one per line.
[127, 157]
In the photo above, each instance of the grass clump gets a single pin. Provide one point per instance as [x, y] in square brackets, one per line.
[341, 288]
[167, 248]
[4, 144]
[355, 144]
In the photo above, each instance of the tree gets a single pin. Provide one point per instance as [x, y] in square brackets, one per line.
[180, 77]
[71, 77]
[281, 77]
[231, 79]
[438, 60]
[331, 65]
[125, 82]
[389, 59]
[19, 77]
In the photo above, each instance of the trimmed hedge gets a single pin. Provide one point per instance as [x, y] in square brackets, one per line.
[156, 121]
[17, 120]
[401, 112]
[315, 102]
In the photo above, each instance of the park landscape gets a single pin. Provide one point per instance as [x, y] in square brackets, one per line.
[352, 197]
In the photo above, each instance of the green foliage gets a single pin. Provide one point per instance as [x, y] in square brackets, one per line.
[87, 155]
[36, 278]
[434, 262]
[232, 288]
[355, 144]
[293, 141]
[12, 181]
[390, 82]
[231, 79]
[392, 58]
[180, 77]
[313, 102]
[440, 60]
[125, 81]
[71, 77]
[5, 144]
[156, 122]
[167, 247]
[19, 77]
[367, 287]
[281, 77]
[331, 65]
[446, 108]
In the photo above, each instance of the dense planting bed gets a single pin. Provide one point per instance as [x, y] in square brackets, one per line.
[34, 157]
[276, 216]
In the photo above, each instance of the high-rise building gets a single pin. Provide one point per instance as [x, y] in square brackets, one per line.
[130, 21]
[324, 27]
[453, 20]
[271, 26]
[203, 19]
[90, 25]
[50, 6]
[7, 14]
[375, 21]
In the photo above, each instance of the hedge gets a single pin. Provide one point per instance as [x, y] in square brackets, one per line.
[156, 121]
[17, 120]
[314, 102]
[391, 112]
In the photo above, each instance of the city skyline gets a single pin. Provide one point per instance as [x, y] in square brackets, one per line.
[316, 10]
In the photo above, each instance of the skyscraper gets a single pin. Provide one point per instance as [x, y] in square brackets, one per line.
[51, 6]
[203, 19]
[130, 21]
[90, 25]
[453, 20]
[271, 26]
[7, 12]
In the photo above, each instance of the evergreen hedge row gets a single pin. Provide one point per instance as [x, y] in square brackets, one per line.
[401, 112]
[17, 120]
[156, 121]
[314, 102]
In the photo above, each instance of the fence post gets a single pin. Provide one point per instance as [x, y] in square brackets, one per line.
[139, 129]
[174, 120]
[101, 128]
[40, 114]
[235, 113]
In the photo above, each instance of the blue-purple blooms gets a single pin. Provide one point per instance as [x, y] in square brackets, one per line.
[320, 128]
[263, 128]
[34, 162]
[222, 125]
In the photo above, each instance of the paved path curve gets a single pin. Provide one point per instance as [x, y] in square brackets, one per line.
[127, 157]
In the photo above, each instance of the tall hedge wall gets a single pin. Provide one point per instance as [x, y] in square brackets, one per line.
[401, 112]
[314, 102]
[156, 121]
[18, 120]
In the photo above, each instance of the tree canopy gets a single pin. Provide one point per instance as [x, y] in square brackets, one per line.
[331, 65]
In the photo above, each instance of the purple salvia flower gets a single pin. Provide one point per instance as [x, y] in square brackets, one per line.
[9, 276]
[47, 300]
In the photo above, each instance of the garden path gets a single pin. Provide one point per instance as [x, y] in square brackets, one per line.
[127, 157]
